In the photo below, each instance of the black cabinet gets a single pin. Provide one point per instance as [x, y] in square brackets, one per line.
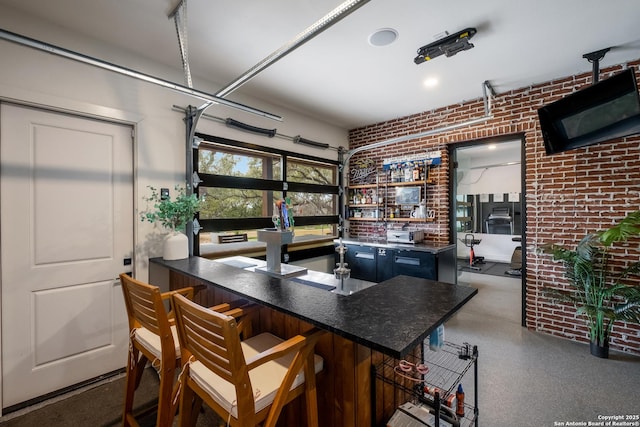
[384, 267]
[415, 263]
[375, 263]
[362, 262]
[370, 263]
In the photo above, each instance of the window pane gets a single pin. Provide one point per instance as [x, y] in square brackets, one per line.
[310, 172]
[237, 203]
[212, 237]
[222, 161]
[312, 204]
[311, 231]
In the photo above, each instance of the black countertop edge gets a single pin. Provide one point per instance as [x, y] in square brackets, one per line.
[434, 248]
[392, 317]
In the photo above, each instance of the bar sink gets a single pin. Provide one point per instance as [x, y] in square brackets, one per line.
[328, 282]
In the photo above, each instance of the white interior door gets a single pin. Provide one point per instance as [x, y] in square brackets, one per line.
[66, 219]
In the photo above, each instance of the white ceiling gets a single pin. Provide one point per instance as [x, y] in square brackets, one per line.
[337, 76]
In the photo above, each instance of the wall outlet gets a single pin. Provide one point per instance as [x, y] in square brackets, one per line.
[164, 193]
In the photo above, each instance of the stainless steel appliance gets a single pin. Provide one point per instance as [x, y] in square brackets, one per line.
[405, 236]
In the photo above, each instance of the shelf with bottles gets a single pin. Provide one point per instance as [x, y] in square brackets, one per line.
[408, 173]
[446, 368]
[365, 213]
[365, 202]
[364, 196]
[408, 213]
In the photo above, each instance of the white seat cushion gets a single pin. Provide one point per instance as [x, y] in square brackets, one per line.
[265, 379]
[151, 341]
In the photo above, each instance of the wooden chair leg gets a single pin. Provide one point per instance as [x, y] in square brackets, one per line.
[165, 394]
[311, 392]
[189, 410]
[140, 367]
[131, 383]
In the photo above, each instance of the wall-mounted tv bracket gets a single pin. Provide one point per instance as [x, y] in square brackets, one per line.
[594, 58]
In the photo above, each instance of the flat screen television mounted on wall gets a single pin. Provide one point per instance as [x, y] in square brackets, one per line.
[603, 111]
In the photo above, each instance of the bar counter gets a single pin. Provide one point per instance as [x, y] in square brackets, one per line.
[391, 318]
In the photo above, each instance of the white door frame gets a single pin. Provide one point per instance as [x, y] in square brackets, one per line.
[26, 98]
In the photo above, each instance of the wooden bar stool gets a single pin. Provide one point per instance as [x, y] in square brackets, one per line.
[153, 337]
[245, 382]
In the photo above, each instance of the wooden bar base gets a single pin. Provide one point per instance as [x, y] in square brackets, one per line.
[344, 385]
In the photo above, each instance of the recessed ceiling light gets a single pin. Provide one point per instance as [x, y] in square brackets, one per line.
[430, 82]
[492, 146]
[383, 37]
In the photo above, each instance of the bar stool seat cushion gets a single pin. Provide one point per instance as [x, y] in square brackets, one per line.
[151, 341]
[265, 379]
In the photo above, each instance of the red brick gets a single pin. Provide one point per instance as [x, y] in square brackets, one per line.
[568, 194]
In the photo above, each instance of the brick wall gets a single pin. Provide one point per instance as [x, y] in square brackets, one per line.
[567, 195]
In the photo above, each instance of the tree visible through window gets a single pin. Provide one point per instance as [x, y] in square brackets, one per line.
[240, 187]
[237, 202]
[310, 204]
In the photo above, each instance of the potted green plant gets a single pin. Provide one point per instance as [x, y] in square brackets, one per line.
[598, 282]
[174, 216]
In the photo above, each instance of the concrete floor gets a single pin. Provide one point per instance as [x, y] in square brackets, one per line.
[532, 379]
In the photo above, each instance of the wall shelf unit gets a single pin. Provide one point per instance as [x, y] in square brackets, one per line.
[379, 201]
[402, 219]
[365, 202]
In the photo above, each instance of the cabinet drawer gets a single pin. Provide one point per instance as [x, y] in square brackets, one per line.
[362, 262]
[415, 263]
[384, 264]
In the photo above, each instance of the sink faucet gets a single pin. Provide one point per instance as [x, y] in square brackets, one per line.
[341, 271]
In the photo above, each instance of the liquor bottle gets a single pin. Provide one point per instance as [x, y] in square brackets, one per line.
[460, 401]
[408, 174]
[416, 173]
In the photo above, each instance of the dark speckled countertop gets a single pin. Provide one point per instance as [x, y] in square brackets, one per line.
[391, 317]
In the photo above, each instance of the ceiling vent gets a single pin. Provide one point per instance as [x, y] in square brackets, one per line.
[449, 46]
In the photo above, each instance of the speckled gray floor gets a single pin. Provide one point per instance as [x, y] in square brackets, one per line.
[526, 379]
[98, 406]
[531, 379]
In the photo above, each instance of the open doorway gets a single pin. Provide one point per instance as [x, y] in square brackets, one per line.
[488, 207]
